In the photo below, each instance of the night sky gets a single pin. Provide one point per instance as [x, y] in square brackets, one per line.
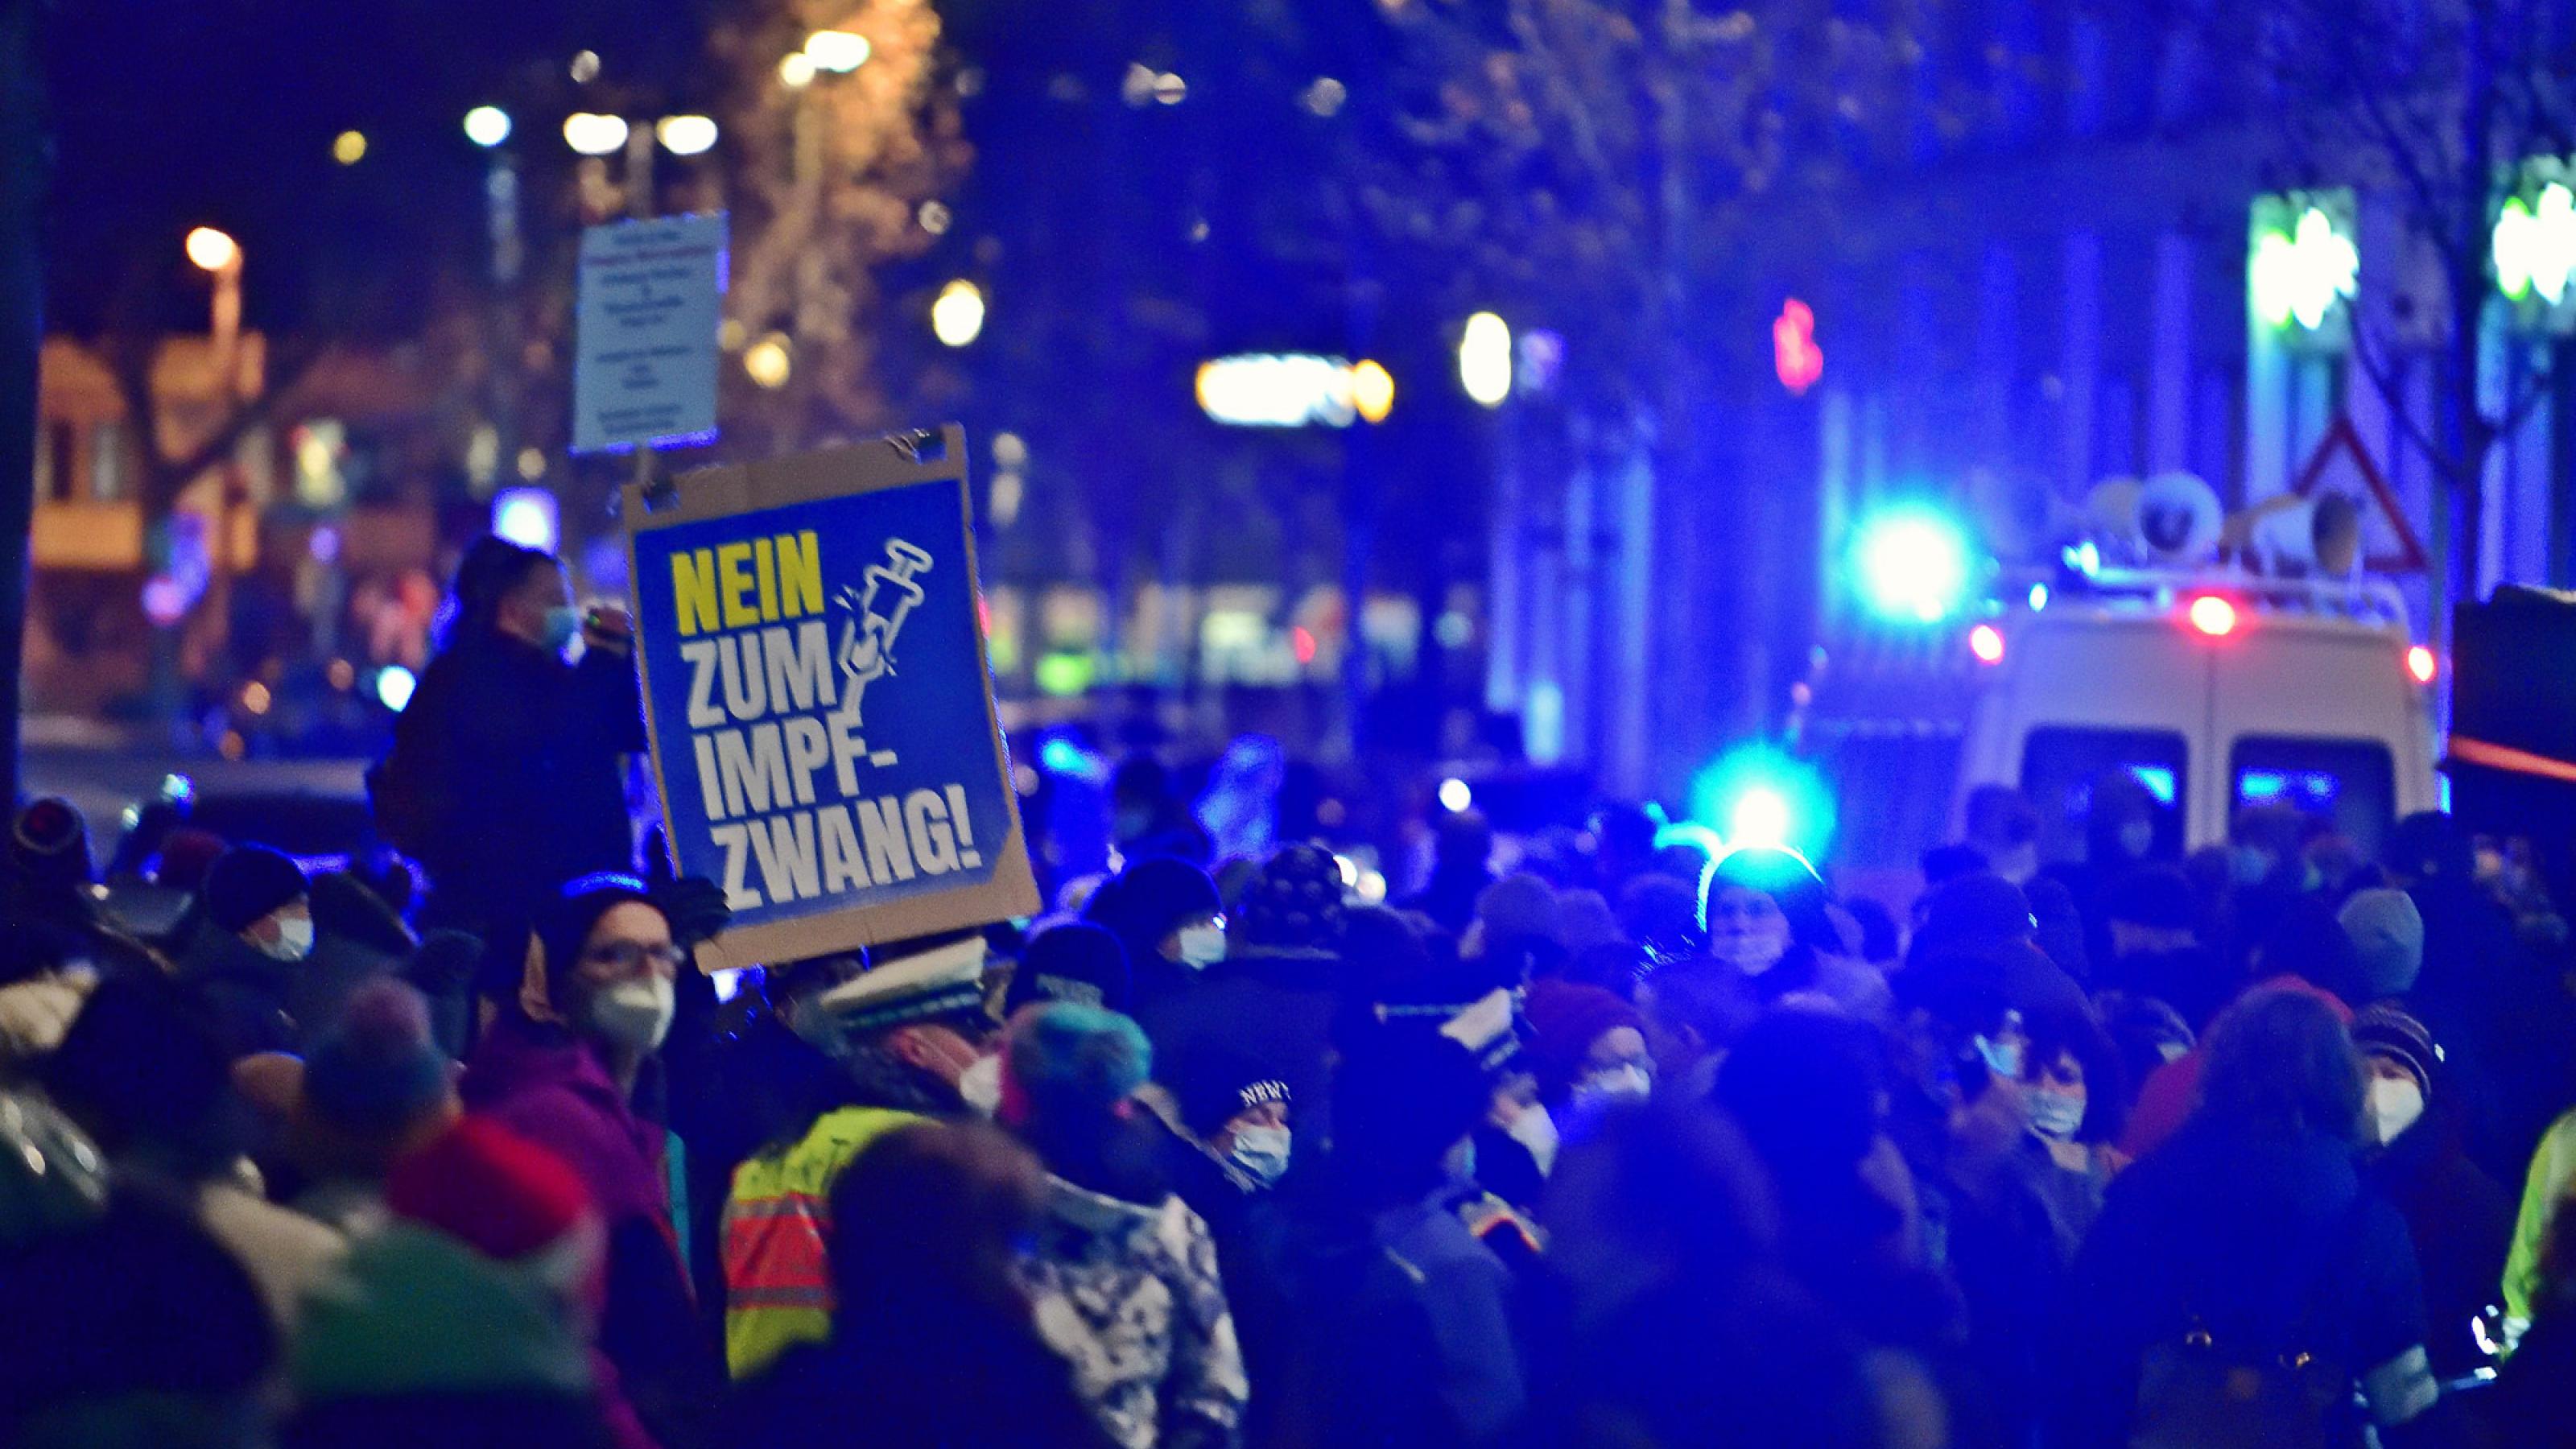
[222, 112]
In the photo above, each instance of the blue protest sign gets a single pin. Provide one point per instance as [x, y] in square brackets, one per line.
[818, 700]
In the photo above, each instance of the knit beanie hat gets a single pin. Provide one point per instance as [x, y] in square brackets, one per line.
[1518, 906]
[1295, 902]
[2388, 935]
[1215, 1086]
[247, 882]
[1981, 907]
[376, 1069]
[1076, 1060]
[564, 920]
[1583, 921]
[1150, 899]
[1565, 1019]
[1791, 883]
[1075, 961]
[500, 1194]
[2386, 1031]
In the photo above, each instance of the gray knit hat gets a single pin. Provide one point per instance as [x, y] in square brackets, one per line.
[2388, 934]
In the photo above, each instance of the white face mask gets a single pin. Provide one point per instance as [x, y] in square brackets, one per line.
[1202, 945]
[1627, 1082]
[981, 1085]
[635, 1014]
[1752, 948]
[294, 939]
[2054, 1115]
[1261, 1151]
[1534, 1129]
[2394, 1106]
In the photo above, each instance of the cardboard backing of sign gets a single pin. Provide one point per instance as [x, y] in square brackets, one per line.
[727, 492]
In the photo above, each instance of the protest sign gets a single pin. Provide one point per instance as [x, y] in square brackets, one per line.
[820, 709]
[645, 320]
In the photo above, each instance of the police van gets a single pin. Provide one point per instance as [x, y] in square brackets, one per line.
[2214, 693]
[2212, 687]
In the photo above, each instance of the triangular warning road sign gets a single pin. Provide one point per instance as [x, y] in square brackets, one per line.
[2342, 465]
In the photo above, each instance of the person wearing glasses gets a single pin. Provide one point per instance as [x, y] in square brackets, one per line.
[561, 1066]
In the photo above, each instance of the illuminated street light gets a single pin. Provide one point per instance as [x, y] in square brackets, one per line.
[1911, 564]
[2534, 244]
[797, 70]
[212, 250]
[1485, 359]
[767, 362]
[487, 126]
[957, 317]
[349, 147]
[685, 135]
[2301, 273]
[837, 51]
[594, 135]
[1372, 390]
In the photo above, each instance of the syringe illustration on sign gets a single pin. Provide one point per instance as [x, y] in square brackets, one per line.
[877, 612]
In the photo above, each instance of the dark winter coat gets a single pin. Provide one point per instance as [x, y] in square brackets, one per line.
[2461, 1223]
[968, 1378]
[2268, 1239]
[264, 1004]
[1277, 1009]
[521, 754]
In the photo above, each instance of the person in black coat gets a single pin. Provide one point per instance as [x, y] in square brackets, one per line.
[2459, 1218]
[506, 777]
[2248, 1248]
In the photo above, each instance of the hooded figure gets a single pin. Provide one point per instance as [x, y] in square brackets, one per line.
[1766, 915]
[1169, 922]
[559, 1066]
[1169, 1375]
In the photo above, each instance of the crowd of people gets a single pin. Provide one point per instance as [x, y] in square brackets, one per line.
[1621, 1146]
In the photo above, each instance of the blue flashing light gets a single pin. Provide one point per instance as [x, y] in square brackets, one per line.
[1062, 756]
[2158, 781]
[1758, 796]
[1911, 564]
[394, 686]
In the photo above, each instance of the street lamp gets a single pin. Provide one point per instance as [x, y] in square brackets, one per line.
[487, 126]
[212, 250]
[1485, 359]
[838, 51]
[685, 135]
[220, 257]
[594, 135]
[957, 317]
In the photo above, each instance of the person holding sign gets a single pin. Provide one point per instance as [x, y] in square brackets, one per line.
[506, 775]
